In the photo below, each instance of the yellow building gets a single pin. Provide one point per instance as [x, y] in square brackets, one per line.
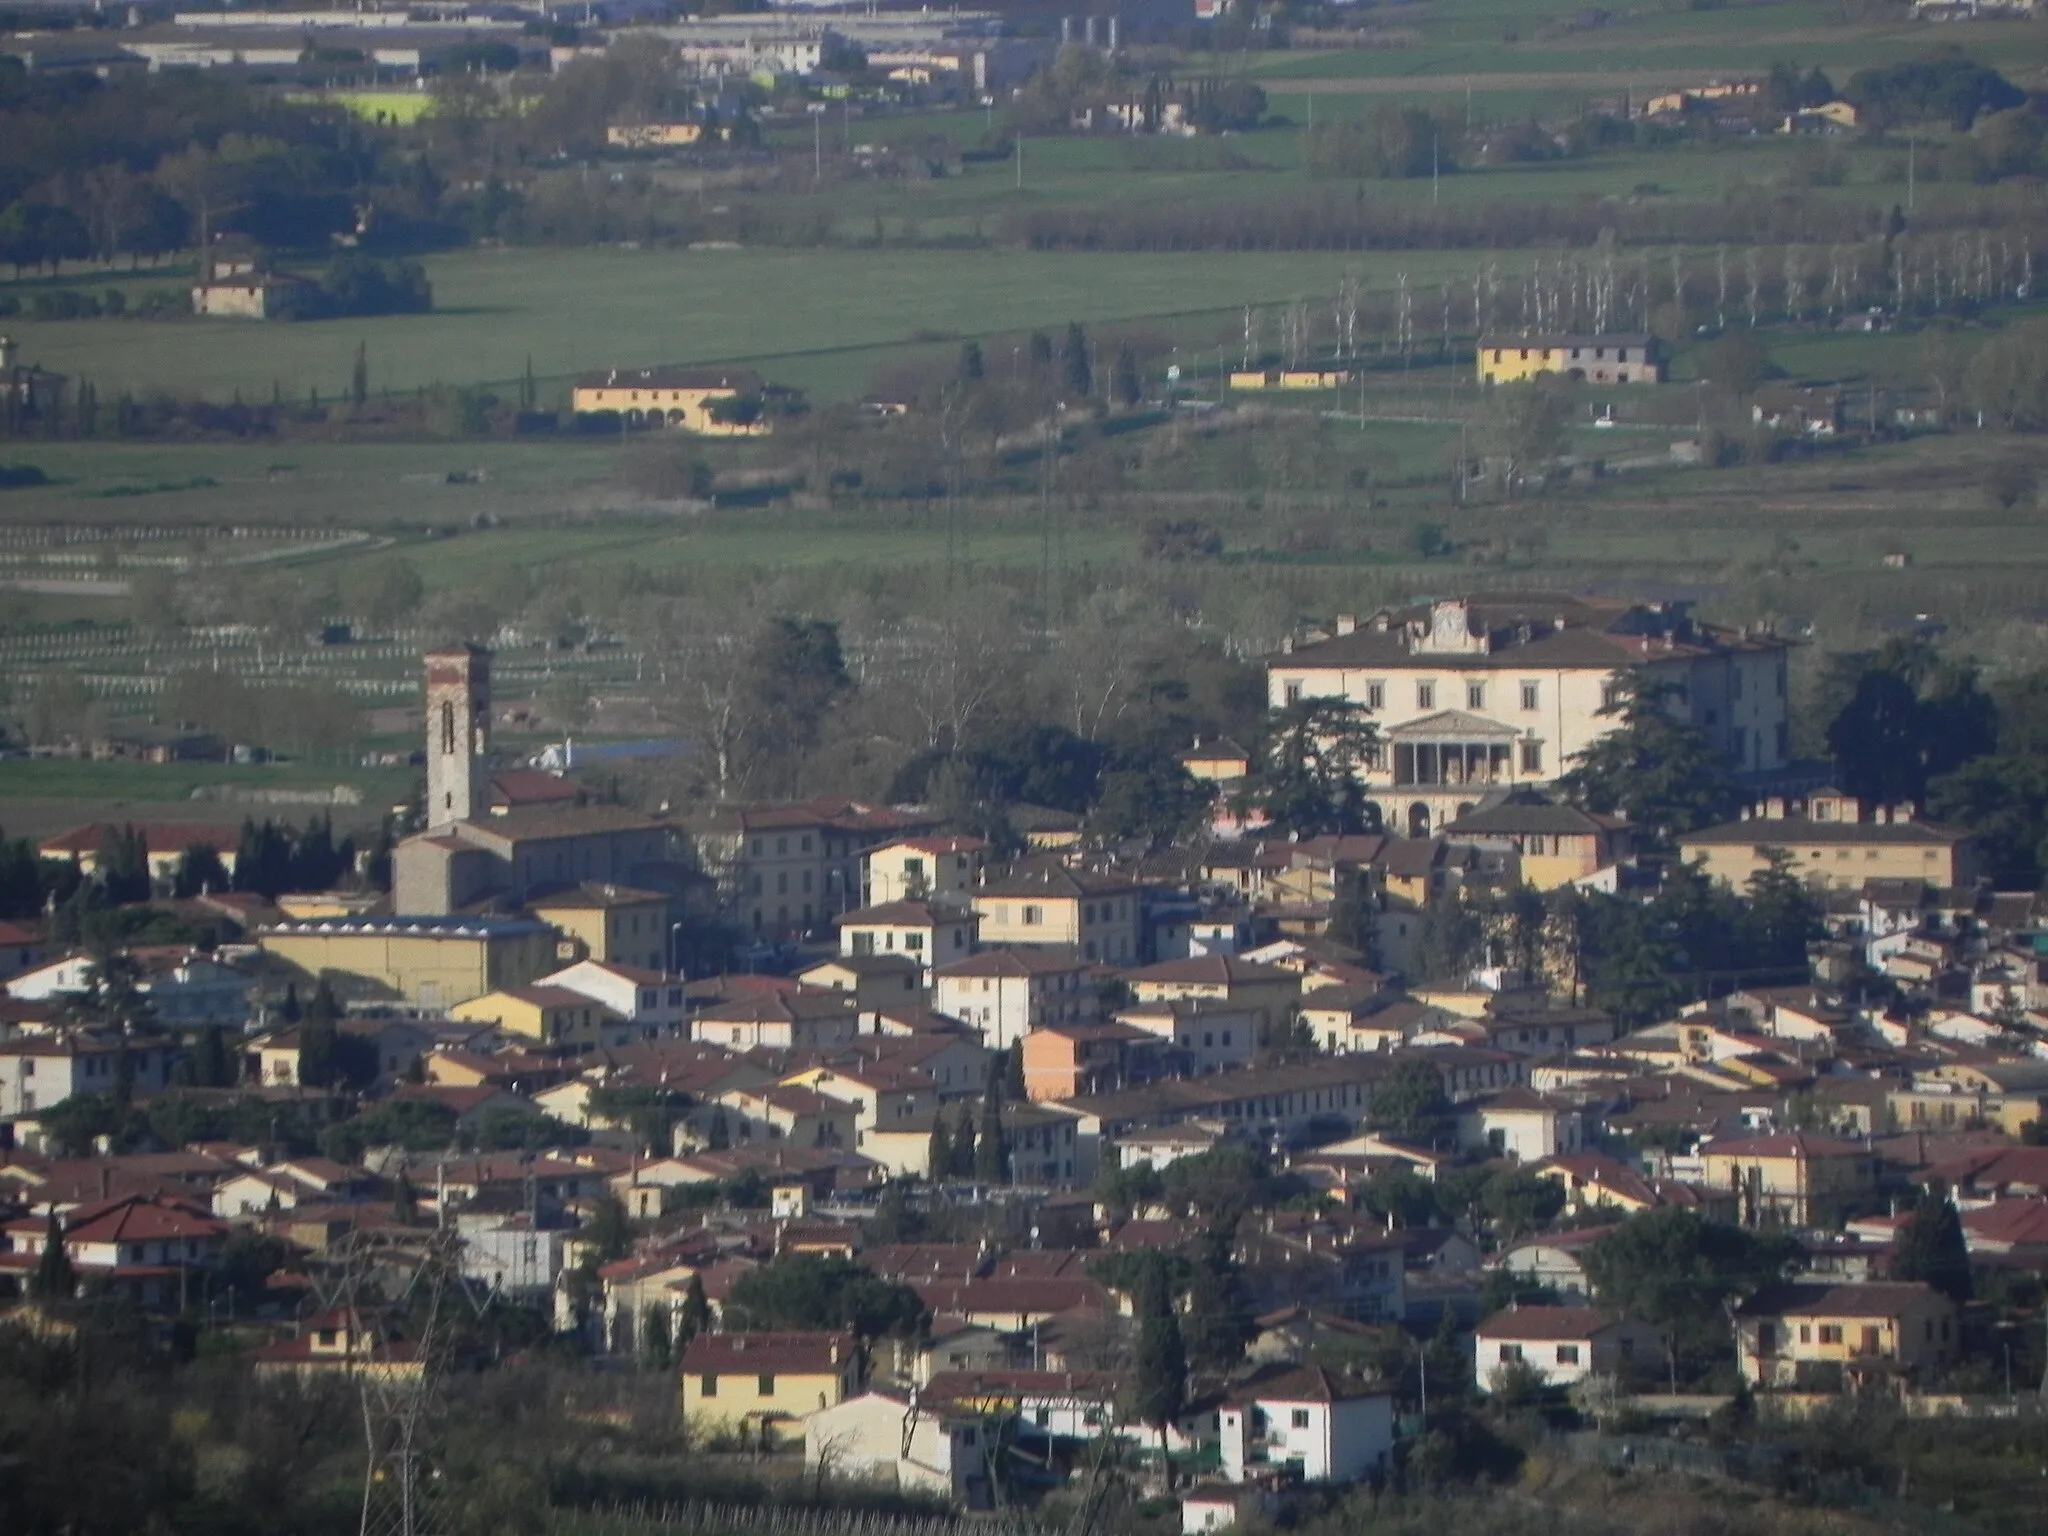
[1095, 916]
[936, 869]
[1616, 359]
[1553, 843]
[753, 1383]
[1793, 1177]
[617, 924]
[1802, 1335]
[672, 397]
[550, 1016]
[1267, 992]
[1833, 845]
[653, 135]
[435, 962]
[1289, 378]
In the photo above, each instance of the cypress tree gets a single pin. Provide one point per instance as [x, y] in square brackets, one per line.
[1159, 1373]
[939, 1159]
[991, 1149]
[963, 1143]
[55, 1279]
[695, 1315]
[1931, 1248]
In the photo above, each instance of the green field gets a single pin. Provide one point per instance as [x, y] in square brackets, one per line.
[822, 320]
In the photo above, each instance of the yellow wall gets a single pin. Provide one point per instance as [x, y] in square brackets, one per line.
[652, 135]
[739, 1397]
[694, 406]
[1112, 935]
[1839, 866]
[1504, 361]
[630, 933]
[434, 972]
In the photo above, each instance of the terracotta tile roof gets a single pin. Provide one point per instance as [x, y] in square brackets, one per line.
[161, 837]
[1871, 1298]
[791, 1354]
[1541, 1324]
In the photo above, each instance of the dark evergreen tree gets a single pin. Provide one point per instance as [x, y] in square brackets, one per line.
[1159, 1368]
[319, 1039]
[55, 1279]
[992, 1146]
[1931, 1248]
[963, 1143]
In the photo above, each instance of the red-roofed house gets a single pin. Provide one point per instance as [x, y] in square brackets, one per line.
[757, 1381]
[930, 934]
[554, 1016]
[1305, 1420]
[1796, 1176]
[21, 949]
[165, 840]
[941, 870]
[147, 1244]
[1563, 1345]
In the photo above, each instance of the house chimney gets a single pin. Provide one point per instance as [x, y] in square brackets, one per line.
[1903, 813]
[7, 345]
[106, 1183]
[1346, 623]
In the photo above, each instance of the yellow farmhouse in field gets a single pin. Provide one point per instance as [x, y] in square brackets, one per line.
[673, 397]
[1615, 359]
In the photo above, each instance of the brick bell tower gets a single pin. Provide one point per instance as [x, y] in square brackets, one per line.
[458, 733]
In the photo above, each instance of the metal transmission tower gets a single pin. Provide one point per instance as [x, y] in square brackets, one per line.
[400, 1395]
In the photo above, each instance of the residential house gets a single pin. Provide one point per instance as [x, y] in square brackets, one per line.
[784, 867]
[710, 402]
[21, 949]
[1555, 1260]
[1306, 1421]
[1815, 1335]
[651, 1000]
[1200, 1034]
[1007, 993]
[620, 924]
[930, 935]
[1792, 1176]
[1605, 359]
[761, 1382]
[802, 1117]
[781, 1020]
[1564, 1345]
[899, 1441]
[554, 1017]
[40, 1071]
[1063, 1061]
[1521, 1125]
[1267, 993]
[1553, 844]
[885, 1095]
[1834, 842]
[877, 982]
[1260, 1104]
[153, 1248]
[1217, 760]
[1480, 694]
[941, 871]
[1096, 917]
[165, 844]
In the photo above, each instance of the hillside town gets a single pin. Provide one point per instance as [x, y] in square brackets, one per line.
[1440, 1063]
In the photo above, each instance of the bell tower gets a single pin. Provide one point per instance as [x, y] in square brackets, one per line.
[458, 733]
